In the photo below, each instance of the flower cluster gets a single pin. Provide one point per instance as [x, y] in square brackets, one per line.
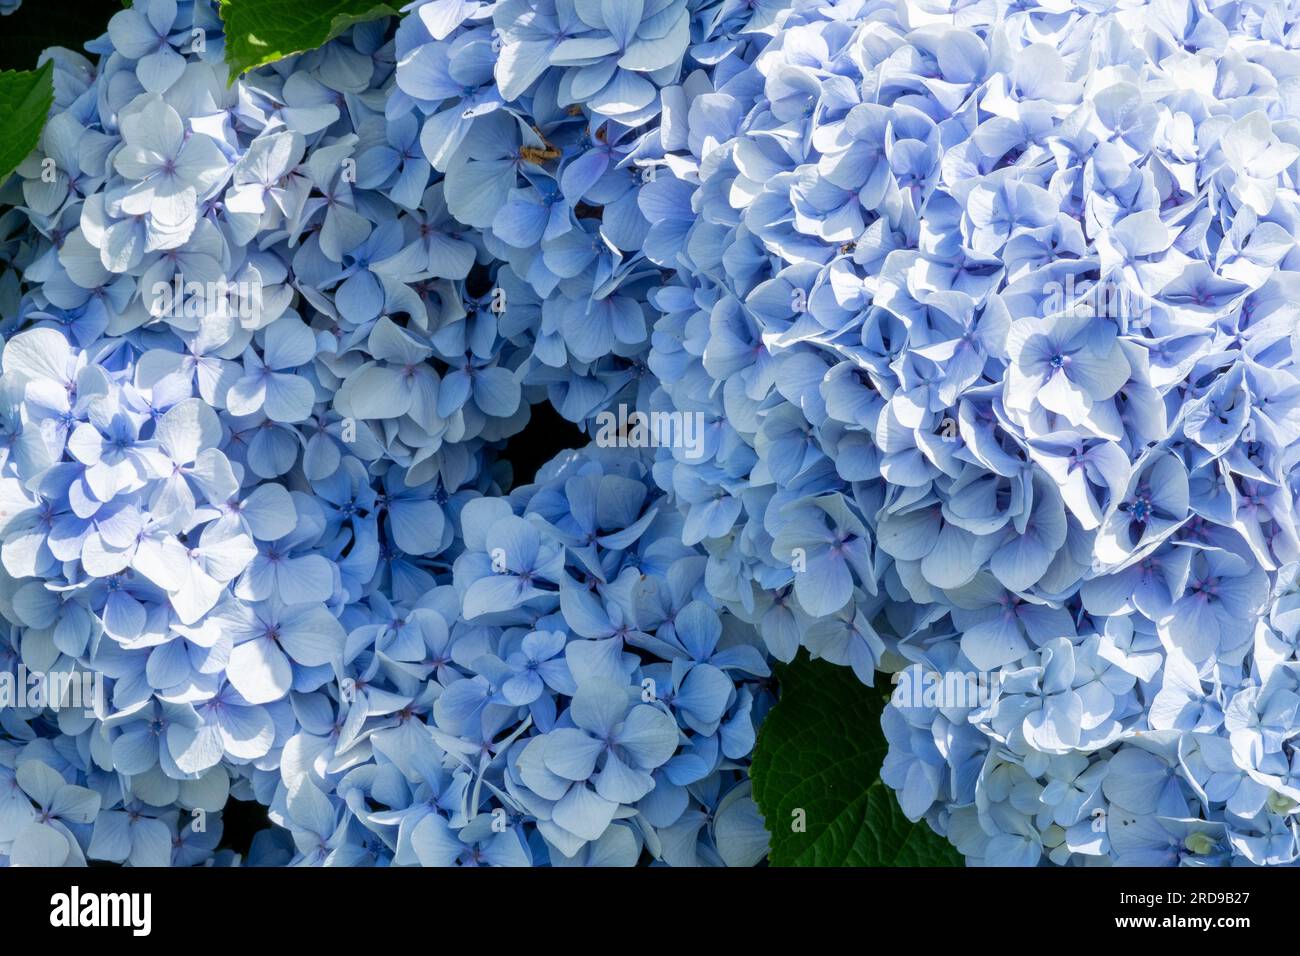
[993, 311]
[980, 319]
[257, 382]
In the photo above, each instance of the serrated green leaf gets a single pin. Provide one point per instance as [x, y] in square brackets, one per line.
[816, 774]
[25, 100]
[263, 31]
[896, 840]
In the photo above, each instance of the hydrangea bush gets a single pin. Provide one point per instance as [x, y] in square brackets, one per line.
[979, 320]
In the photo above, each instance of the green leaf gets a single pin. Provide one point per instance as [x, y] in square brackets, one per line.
[263, 31]
[25, 100]
[816, 774]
